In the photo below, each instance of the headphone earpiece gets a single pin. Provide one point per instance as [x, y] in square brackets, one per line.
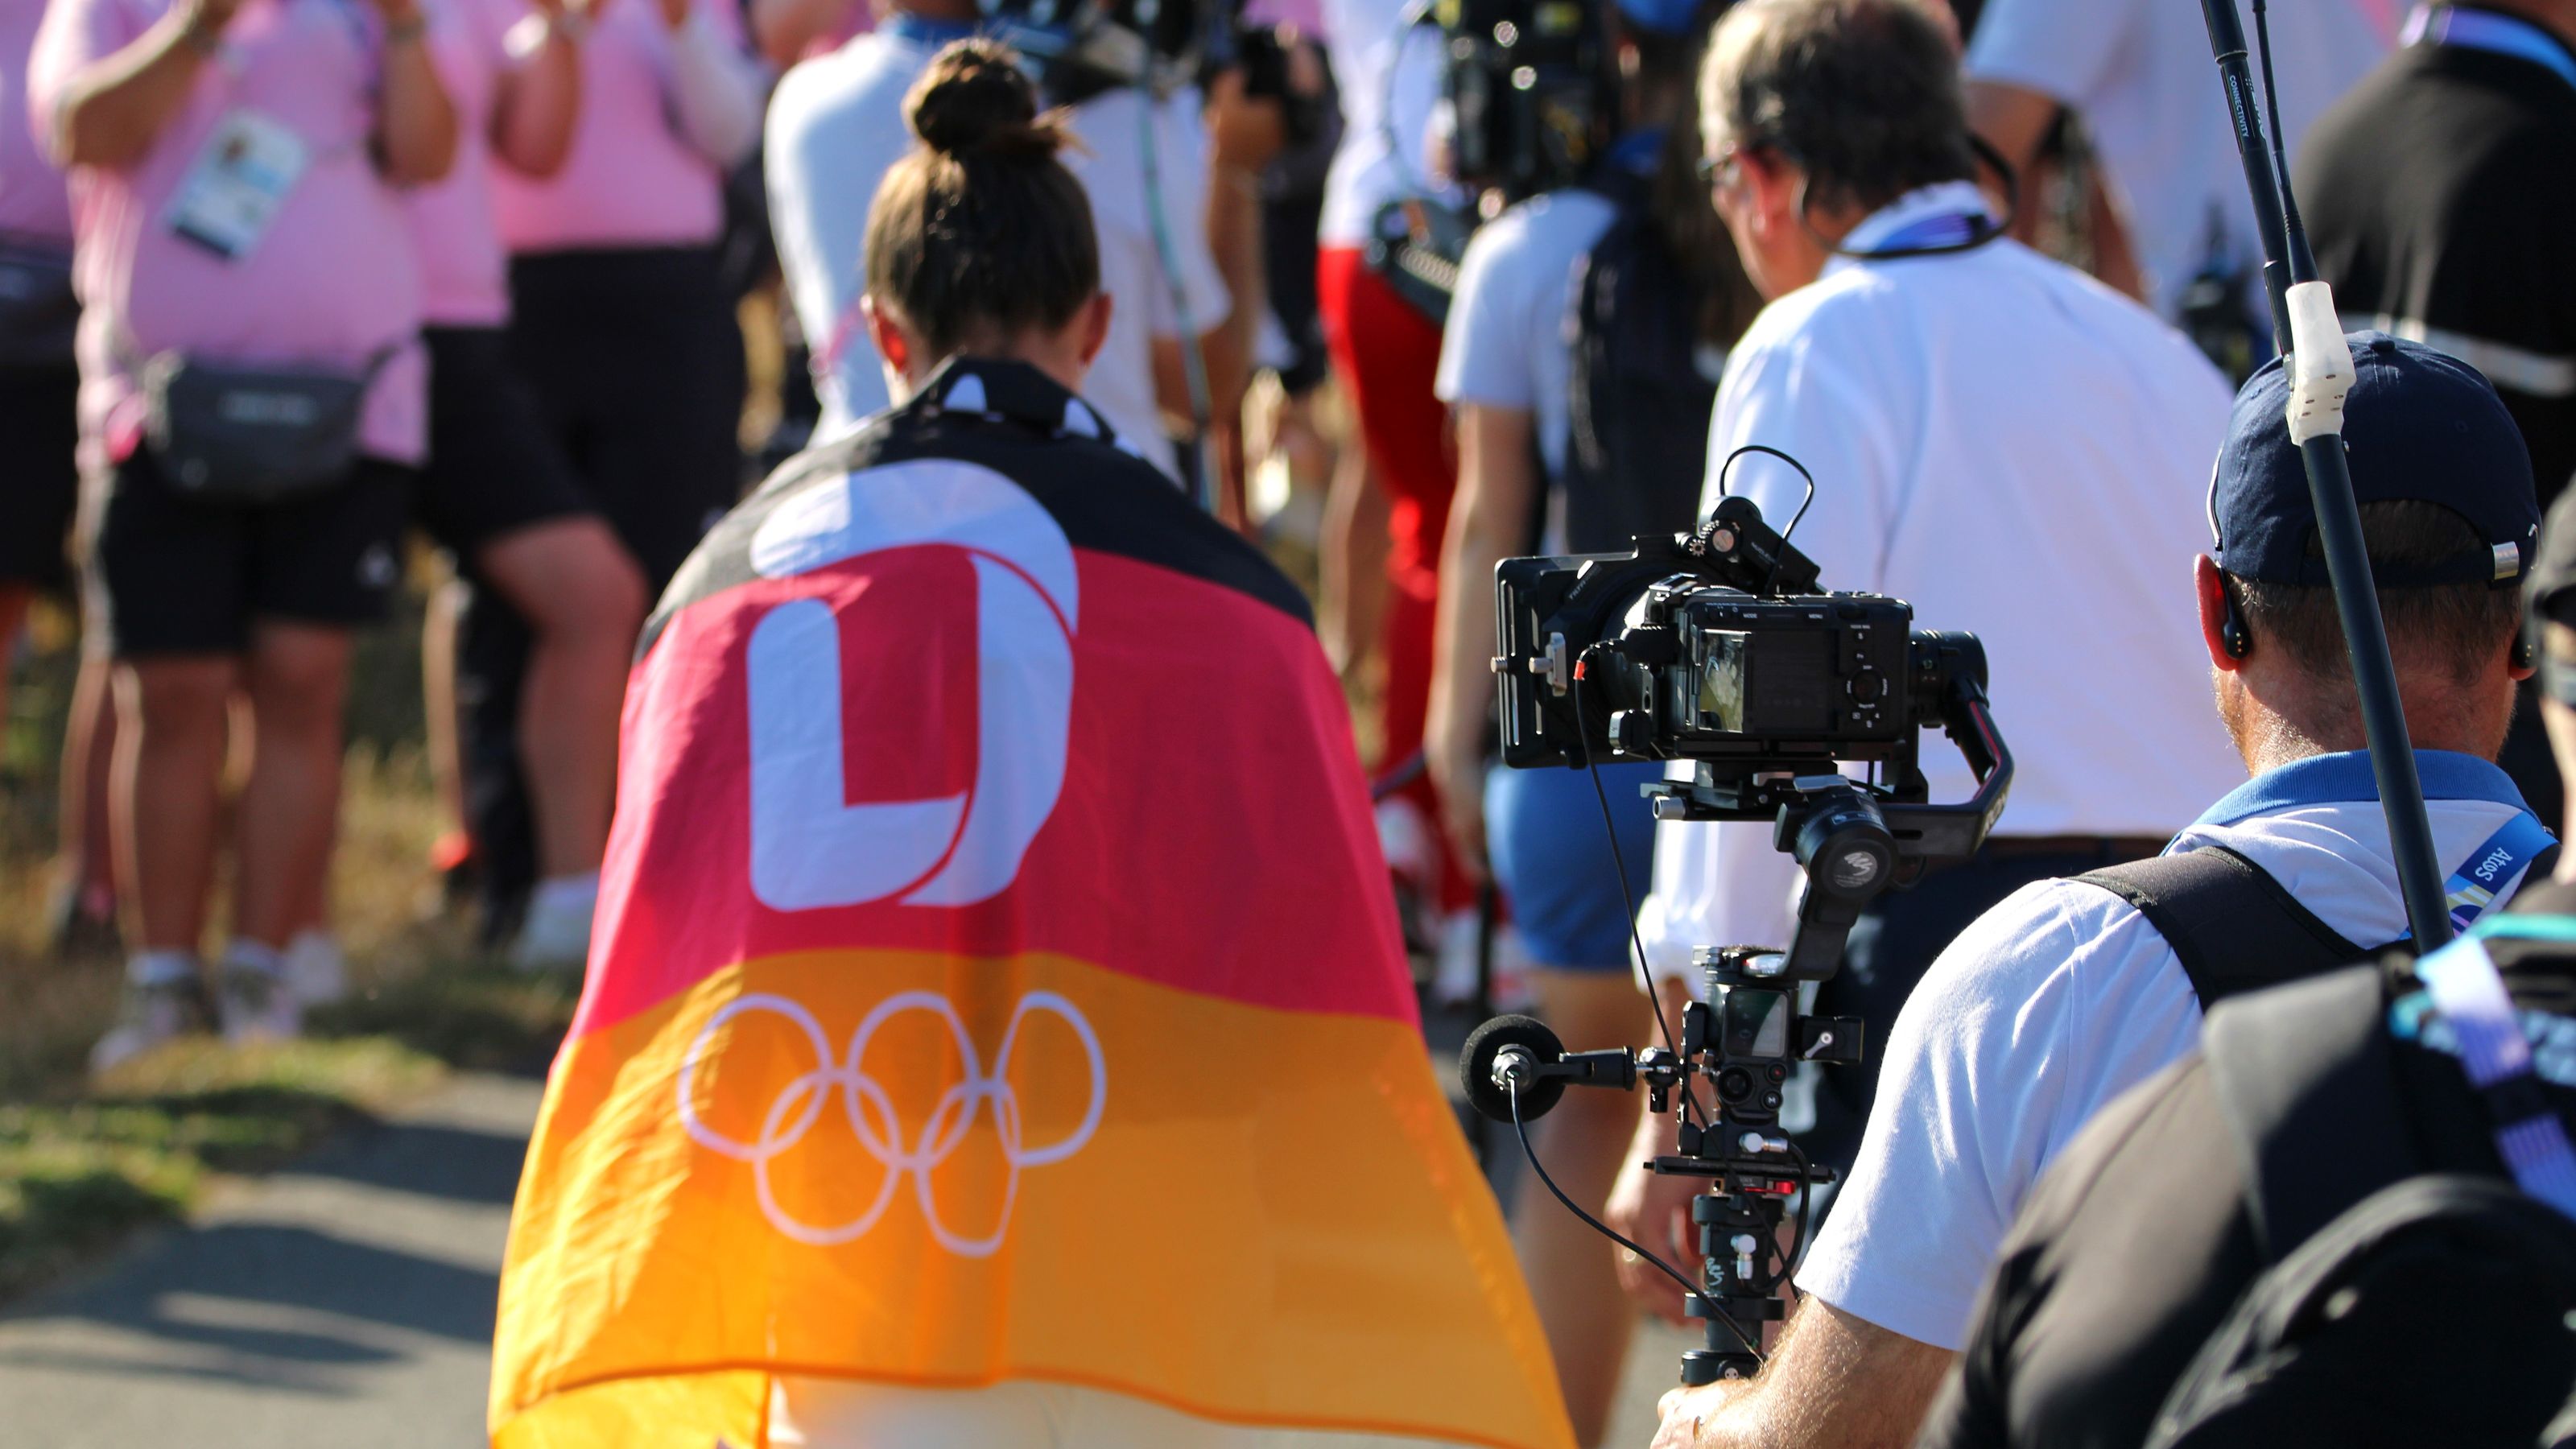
[2526, 651]
[2233, 636]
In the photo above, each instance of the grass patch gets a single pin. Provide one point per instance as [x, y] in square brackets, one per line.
[79, 1173]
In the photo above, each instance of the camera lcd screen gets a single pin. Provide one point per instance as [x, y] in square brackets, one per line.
[1771, 683]
[1757, 1024]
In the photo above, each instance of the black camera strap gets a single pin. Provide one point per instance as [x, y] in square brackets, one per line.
[2233, 927]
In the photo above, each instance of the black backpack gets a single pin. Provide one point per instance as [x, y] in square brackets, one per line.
[2400, 1308]
[1638, 448]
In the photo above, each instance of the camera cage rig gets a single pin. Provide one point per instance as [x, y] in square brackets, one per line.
[1852, 839]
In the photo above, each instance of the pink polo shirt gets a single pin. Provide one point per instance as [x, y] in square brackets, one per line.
[34, 205]
[632, 180]
[464, 273]
[332, 281]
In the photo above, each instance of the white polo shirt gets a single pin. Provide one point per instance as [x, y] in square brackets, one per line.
[2063, 997]
[2140, 74]
[2017, 451]
[1509, 340]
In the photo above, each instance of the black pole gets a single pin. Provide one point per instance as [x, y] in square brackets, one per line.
[2287, 263]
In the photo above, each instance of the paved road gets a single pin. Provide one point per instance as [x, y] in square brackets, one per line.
[346, 1302]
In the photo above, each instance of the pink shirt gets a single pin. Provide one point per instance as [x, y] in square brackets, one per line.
[332, 281]
[464, 273]
[34, 205]
[632, 180]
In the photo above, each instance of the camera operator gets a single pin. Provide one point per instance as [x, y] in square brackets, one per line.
[2120, 1268]
[1993, 437]
[982, 793]
[2075, 990]
[1526, 305]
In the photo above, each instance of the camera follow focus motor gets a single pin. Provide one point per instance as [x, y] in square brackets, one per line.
[1714, 648]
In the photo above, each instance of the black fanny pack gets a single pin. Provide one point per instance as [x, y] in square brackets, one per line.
[38, 311]
[245, 434]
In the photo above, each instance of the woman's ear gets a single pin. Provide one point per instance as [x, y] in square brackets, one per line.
[1094, 323]
[892, 342]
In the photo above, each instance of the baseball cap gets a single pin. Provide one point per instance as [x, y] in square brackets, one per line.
[1663, 17]
[2419, 426]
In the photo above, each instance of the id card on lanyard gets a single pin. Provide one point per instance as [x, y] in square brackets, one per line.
[241, 177]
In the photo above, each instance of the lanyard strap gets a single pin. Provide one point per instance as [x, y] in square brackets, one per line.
[2488, 31]
[2493, 866]
[2469, 993]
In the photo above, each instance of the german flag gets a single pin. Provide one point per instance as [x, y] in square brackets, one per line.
[996, 985]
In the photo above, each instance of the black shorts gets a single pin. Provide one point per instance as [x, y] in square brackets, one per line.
[171, 575]
[493, 468]
[39, 481]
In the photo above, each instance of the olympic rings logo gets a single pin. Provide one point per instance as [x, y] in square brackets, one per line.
[874, 1120]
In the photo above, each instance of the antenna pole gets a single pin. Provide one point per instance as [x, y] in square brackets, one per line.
[2321, 372]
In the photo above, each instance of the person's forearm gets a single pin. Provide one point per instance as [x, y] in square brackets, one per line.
[540, 95]
[716, 90]
[785, 28]
[1233, 224]
[1462, 678]
[415, 123]
[114, 109]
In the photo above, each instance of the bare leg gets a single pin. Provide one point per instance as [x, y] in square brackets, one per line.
[169, 764]
[1572, 1271]
[438, 696]
[1354, 559]
[297, 677]
[89, 759]
[583, 599]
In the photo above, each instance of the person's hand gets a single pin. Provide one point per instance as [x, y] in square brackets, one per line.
[675, 13]
[1245, 133]
[206, 19]
[1684, 1410]
[1652, 1211]
[399, 15]
[1458, 777]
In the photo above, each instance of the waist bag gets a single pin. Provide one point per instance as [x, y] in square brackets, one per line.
[245, 435]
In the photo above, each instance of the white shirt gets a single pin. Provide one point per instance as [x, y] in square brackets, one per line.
[2054, 1003]
[2140, 74]
[2019, 452]
[1379, 162]
[1128, 215]
[836, 126]
[1509, 338]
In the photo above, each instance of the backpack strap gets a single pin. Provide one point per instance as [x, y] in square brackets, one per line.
[2230, 924]
[2306, 1081]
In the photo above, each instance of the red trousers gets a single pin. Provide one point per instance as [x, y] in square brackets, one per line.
[1387, 354]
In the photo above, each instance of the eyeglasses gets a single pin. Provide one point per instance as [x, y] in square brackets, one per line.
[1722, 169]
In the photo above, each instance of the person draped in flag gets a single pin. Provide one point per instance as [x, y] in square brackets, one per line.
[997, 1032]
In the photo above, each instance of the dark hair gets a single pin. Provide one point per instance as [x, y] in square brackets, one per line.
[1863, 95]
[980, 233]
[2463, 625]
[1684, 222]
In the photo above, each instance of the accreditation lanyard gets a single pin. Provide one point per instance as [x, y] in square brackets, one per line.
[2470, 994]
[2489, 31]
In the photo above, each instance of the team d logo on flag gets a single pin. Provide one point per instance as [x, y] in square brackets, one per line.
[996, 984]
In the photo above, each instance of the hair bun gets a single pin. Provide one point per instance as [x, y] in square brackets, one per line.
[976, 101]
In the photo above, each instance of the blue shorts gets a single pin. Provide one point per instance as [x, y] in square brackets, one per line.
[1552, 859]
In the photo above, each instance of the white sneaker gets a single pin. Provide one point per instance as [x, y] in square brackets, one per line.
[556, 934]
[316, 971]
[254, 1002]
[149, 1016]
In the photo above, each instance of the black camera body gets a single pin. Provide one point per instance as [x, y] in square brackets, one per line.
[1534, 84]
[1711, 647]
[1081, 48]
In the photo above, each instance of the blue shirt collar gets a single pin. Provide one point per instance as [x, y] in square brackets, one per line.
[2345, 779]
[923, 31]
[2493, 31]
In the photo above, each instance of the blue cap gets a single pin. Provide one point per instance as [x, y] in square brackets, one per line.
[1663, 17]
[2418, 426]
